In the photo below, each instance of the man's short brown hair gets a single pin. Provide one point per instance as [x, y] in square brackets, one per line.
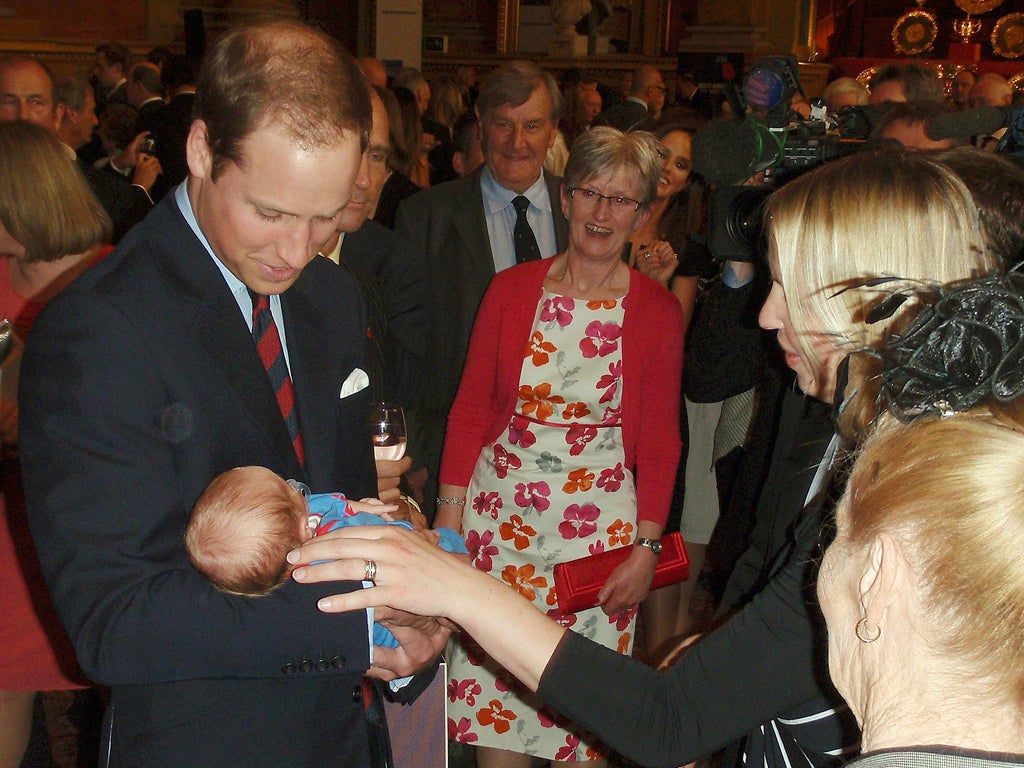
[280, 73]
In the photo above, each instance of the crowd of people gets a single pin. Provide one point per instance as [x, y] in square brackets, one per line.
[220, 267]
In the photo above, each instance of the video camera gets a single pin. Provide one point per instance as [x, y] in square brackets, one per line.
[766, 136]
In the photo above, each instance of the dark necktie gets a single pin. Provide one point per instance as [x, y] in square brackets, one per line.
[268, 344]
[526, 243]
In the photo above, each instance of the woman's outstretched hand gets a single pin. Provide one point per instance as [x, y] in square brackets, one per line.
[412, 571]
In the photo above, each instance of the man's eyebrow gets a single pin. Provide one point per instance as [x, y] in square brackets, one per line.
[271, 208]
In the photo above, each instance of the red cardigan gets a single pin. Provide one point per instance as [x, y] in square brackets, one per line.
[652, 359]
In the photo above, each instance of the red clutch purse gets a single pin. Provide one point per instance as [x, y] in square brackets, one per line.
[577, 582]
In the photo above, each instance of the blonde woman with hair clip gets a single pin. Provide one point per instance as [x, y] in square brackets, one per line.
[758, 676]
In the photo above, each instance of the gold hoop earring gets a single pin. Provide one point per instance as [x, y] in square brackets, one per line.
[862, 631]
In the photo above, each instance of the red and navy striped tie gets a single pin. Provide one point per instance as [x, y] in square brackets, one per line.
[268, 344]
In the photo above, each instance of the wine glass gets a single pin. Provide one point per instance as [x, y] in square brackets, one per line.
[387, 431]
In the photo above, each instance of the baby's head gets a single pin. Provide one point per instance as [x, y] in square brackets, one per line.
[243, 526]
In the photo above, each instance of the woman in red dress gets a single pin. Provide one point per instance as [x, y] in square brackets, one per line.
[52, 228]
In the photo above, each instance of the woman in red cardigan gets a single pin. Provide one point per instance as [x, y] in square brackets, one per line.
[563, 439]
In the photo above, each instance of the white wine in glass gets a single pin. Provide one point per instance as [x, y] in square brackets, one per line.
[387, 431]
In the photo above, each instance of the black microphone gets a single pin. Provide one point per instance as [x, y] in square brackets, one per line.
[980, 121]
[729, 151]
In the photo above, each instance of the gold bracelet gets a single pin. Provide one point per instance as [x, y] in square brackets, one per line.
[451, 500]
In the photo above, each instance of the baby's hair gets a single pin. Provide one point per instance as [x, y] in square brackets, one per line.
[241, 529]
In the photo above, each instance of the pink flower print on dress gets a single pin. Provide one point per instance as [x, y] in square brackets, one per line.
[623, 617]
[519, 432]
[601, 339]
[580, 521]
[465, 690]
[481, 550]
[611, 478]
[612, 416]
[488, 504]
[610, 382]
[568, 752]
[504, 461]
[538, 349]
[564, 620]
[533, 495]
[578, 435]
[459, 732]
[558, 309]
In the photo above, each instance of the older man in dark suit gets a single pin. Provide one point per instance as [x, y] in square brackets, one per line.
[212, 338]
[475, 226]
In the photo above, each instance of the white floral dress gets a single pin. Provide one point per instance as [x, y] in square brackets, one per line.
[553, 487]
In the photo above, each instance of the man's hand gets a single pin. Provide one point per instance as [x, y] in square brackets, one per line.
[389, 474]
[421, 640]
[146, 171]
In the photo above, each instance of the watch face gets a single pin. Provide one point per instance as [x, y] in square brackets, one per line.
[654, 546]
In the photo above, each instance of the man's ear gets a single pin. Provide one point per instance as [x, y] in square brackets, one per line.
[198, 152]
[882, 572]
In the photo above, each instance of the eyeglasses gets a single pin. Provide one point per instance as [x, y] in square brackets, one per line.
[593, 199]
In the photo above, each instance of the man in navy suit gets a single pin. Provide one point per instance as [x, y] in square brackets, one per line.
[142, 382]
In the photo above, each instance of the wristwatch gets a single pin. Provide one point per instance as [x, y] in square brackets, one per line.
[652, 544]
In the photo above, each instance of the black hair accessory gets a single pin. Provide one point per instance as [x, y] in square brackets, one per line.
[965, 345]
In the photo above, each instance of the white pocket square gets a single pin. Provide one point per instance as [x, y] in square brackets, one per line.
[356, 381]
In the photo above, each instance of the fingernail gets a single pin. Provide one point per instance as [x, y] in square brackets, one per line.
[293, 556]
[299, 574]
[324, 604]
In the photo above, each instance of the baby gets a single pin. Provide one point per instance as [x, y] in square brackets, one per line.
[248, 519]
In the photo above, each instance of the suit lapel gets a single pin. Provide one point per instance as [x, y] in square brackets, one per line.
[218, 327]
[561, 225]
[470, 225]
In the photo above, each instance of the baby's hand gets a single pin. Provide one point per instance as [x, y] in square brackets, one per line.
[374, 507]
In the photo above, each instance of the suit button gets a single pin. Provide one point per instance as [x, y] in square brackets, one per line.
[338, 662]
[322, 664]
[289, 668]
[357, 694]
[305, 665]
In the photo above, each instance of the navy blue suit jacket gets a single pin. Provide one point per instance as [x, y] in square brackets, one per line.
[140, 384]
